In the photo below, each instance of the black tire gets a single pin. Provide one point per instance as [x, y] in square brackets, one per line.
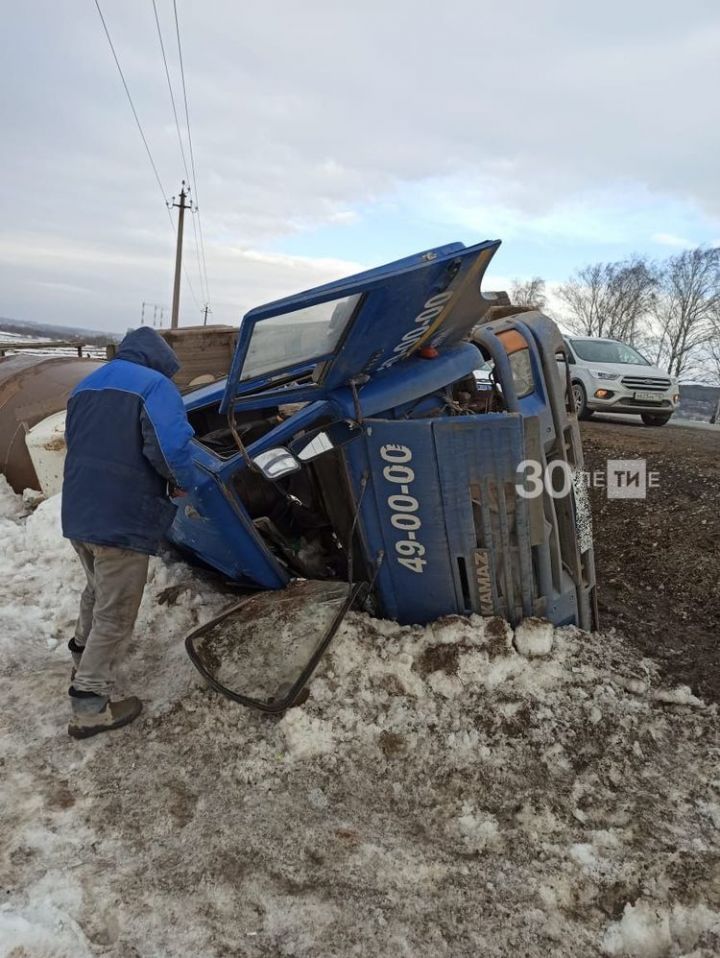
[580, 397]
[655, 419]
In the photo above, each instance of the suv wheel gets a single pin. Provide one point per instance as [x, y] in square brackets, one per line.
[580, 398]
[655, 419]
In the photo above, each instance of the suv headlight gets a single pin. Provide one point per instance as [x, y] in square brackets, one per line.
[598, 374]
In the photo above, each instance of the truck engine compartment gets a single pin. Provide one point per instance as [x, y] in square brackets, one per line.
[306, 518]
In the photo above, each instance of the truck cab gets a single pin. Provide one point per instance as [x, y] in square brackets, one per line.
[353, 441]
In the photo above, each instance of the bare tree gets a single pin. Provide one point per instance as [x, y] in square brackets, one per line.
[529, 292]
[583, 295]
[611, 299]
[688, 306]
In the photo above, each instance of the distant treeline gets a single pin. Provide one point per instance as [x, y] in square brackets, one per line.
[669, 309]
[60, 333]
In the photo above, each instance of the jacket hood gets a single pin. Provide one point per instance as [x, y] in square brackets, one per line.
[146, 347]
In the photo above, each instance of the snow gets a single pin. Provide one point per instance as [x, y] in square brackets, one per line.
[647, 931]
[11, 506]
[439, 794]
[678, 696]
[534, 637]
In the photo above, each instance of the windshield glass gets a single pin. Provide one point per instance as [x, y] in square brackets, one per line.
[297, 337]
[604, 351]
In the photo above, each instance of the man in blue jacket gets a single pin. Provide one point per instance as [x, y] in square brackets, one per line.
[128, 438]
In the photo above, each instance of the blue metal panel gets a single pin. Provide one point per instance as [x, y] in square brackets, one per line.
[213, 525]
[408, 381]
[411, 591]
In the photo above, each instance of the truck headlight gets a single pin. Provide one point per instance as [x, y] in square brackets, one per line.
[522, 372]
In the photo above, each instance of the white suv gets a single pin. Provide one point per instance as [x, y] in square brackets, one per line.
[610, 376]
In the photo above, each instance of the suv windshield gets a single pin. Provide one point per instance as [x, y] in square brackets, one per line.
[607, 351]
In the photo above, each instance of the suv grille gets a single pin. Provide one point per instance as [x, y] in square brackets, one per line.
[644, 382]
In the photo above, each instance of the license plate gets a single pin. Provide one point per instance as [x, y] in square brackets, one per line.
[649, 397]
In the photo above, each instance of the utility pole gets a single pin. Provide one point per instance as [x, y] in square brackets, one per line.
[178, 255]
[205, 310]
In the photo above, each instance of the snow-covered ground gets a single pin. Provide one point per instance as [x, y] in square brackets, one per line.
[440, 794]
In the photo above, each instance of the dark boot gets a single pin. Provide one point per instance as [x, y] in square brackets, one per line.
[96, 713]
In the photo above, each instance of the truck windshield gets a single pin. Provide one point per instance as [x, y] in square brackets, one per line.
[297, 337]
[607, 351]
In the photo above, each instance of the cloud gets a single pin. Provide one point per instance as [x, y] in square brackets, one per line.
[241, 278]
[67, 288]
[530, 121]
[669, 239]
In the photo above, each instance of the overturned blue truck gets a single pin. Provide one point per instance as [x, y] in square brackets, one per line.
[353, 441]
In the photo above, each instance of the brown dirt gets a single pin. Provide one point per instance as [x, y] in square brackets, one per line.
[444, 658]
[658, 559]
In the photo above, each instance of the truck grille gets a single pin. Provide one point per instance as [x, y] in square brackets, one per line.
[645, 382]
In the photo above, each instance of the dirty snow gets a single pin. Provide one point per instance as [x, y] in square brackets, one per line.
[534, 637]
[439, 794]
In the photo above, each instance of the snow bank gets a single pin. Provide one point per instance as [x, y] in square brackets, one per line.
[649, 931]
[439, 794]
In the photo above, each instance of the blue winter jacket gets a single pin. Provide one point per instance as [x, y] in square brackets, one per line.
[127, 436]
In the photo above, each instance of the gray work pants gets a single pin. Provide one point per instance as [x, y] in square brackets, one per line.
[108, 609]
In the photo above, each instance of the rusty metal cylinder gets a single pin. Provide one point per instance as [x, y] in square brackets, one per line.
[31, 388]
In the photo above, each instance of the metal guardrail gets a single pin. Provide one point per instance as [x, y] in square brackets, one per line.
[53, 344]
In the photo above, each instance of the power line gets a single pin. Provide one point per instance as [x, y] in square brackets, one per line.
[192, 155]
[204, 291]
[132, 105]
[143, 137]
[170, 89]
[206, 294]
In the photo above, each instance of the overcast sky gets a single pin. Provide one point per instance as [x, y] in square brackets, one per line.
[334, 135]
